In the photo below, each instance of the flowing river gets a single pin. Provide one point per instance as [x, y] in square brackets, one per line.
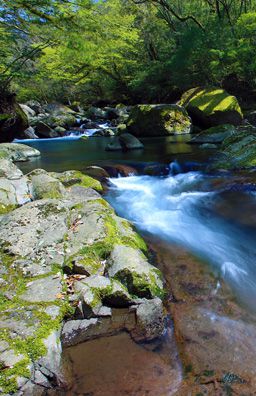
[183, 209]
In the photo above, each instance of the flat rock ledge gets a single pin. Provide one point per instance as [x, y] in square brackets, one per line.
[70, 270]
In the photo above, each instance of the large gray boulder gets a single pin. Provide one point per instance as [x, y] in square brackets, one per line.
[18, 152]
[131, 268]
[45, 186]
[158, 120]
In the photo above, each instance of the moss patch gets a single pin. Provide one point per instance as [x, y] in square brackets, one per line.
[237, 152]
[6, 208]
[41, 325]
[210, 100]
[76, 178]
[158, 120]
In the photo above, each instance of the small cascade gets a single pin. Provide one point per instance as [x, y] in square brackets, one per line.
[179, 209]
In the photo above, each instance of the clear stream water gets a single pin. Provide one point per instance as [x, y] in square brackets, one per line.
[183, 209]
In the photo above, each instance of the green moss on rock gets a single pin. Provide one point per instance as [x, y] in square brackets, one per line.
[158, 120]
[77, 178]
[212, 106]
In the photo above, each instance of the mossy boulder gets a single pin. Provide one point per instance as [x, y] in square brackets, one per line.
[13, 120]
[211, 106]
[131, 268]
[77, 178]
[45, 186]
[158, 120]
[237, 151]
[124, 142]
[214, 135]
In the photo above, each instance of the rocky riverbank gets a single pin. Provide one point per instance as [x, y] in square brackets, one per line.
[71, 271]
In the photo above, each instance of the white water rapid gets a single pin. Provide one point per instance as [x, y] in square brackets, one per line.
[179, 209]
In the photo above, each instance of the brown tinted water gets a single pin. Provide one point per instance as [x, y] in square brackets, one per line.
[118, 366]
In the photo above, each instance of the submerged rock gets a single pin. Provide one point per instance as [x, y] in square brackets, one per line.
[125, 142]
[158, 120]
[211, 106]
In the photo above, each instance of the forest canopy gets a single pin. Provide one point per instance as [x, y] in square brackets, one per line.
[124, 50]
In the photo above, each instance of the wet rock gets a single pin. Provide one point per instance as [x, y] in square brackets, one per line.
[251, 118]
[130, 142]
[96, 172]
[115, 145]
[119, 169]
[237, 151]
[60, 130]
[158, 120]
[150, 320]
[211, 106]
[121, 128]
[77, 331]
[132, 269]
[105, 132]
[97, 113]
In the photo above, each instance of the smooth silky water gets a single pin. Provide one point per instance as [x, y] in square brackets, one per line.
[185, 209]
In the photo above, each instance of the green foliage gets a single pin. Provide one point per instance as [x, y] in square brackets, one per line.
[129, 51]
